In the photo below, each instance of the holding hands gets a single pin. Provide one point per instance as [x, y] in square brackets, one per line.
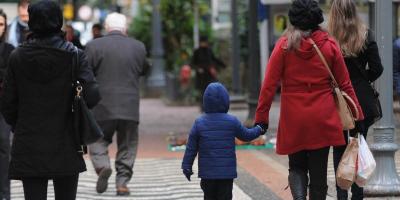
[264, 127]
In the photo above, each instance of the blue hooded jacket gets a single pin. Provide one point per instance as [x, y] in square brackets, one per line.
[213, 137]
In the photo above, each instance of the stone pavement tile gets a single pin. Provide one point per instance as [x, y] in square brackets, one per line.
[253, 187]
[268, 173]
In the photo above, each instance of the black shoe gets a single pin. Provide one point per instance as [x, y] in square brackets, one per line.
[298, 182]
[102, 181]
[123, 191]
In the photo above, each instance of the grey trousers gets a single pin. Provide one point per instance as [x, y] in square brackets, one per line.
[4, 159]
[127, 141]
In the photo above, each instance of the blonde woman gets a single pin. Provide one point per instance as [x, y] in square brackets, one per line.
[359, 49]
[309, 122]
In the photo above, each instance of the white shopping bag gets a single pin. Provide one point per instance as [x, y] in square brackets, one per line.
[366, 162]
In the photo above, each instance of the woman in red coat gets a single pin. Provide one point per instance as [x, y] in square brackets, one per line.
[309, 121]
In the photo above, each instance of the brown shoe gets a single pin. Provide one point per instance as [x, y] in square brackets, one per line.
[102, 181]
[123, 191]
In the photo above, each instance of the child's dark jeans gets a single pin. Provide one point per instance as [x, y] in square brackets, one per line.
[217, 189]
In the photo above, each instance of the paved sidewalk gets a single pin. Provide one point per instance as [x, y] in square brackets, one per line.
[261, 173]
[157, 173]
[282, 161]
[154, 179]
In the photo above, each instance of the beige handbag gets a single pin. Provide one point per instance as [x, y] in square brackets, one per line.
[343, 100]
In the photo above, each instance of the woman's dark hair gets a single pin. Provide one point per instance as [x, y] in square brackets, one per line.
[98, 26]
[3, 14]
[23, 3]
[45, 18]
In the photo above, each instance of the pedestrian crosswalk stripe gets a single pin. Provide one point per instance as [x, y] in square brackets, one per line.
[153, 179]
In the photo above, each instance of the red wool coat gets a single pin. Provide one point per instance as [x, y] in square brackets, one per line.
[308, 117]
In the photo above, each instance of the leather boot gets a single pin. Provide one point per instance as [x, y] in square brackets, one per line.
[298, 181]
[318, 193]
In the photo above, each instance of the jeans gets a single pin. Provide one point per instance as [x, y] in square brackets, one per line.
[217, 189]
[65, 188]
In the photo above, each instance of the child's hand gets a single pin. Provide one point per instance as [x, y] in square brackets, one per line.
[188, 173]
[264, 127]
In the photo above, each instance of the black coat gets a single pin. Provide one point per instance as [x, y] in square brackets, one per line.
[37, 104]
[203, 60]
[5, 51]
[362, 77]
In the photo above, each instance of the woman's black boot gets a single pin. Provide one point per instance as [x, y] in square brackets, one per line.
[298, 181]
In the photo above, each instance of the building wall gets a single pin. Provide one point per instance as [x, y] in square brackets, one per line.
[10, 9]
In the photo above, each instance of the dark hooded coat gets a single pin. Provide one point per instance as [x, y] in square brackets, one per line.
[37, 103]
[213, 137]
[5, 51]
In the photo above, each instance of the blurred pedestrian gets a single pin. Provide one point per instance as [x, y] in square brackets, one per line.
[18, 28]
[213, 137]
[306, 91]
[206, 65]
[5, 51]
[358, 45]
[396, 68]
[118, 62]
[36, 102]
[73, 36]
[97, 31]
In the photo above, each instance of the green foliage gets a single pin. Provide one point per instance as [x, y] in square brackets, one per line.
[140, 28]
[243, 20]
[177, 32]
[178, 22]
[177, 27]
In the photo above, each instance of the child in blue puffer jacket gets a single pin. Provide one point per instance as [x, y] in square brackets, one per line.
[213, 138]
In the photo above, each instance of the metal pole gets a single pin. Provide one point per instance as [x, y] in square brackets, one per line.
[156, 81]
[75, 5]
[196, 25]
[254, 60]
[236, 83]
[385, 180]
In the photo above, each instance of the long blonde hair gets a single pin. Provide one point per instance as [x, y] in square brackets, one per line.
[348, 29]
[294, 36]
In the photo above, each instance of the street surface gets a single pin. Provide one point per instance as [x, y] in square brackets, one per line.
[157, 173]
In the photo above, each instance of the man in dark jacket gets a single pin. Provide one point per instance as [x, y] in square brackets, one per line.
[396, 66]
[213, 137]
[118, 62]
[206, 66]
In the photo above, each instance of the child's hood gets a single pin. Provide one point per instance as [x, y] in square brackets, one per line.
[216, 99]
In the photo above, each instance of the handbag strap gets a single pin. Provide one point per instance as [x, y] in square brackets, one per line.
[75, 65]
[334, 82]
